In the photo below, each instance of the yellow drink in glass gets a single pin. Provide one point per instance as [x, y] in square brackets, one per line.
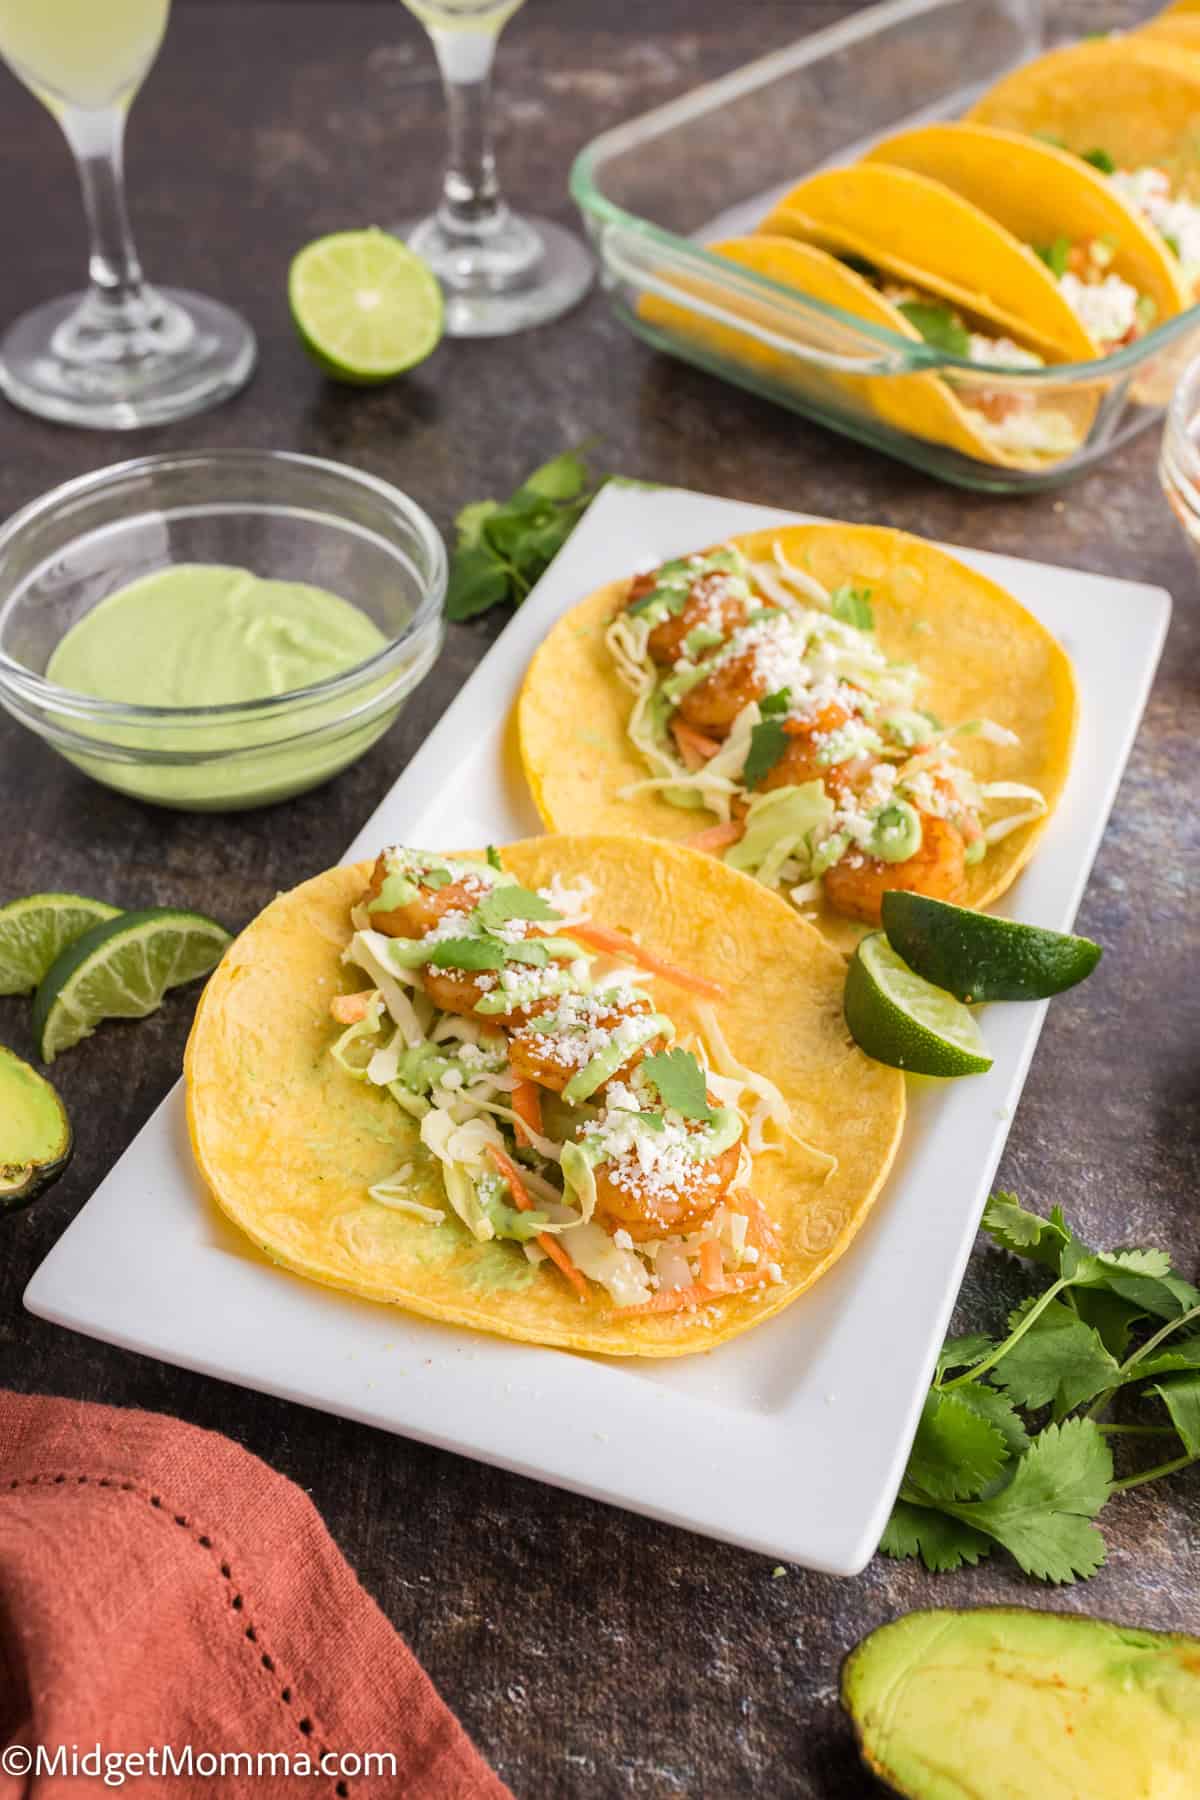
[121, 353]
[85, 53]
[500, 271]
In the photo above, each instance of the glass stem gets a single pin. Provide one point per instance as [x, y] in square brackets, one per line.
[471, 204]
[116, 275]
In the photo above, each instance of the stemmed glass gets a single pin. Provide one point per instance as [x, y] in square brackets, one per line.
[122, 353]
[500, 271]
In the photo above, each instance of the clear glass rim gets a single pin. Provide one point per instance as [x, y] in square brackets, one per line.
[1180, 451]
[50, 695]
[904, 355]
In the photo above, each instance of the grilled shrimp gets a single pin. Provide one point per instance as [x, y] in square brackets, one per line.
[855, 886]
[420, 914]
[648, 1209]
[714, 703]
[552, 1058]
[708, 603]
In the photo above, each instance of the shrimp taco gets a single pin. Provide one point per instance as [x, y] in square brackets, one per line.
[910, 231]
[834, 709]
[985, 419]
[1130, 107]
[1112, 267]
[542, 1093]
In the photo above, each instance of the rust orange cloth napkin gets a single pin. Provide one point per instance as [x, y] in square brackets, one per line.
[161, 1587]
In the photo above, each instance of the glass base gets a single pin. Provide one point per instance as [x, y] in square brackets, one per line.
[78, 361]
[517, 273]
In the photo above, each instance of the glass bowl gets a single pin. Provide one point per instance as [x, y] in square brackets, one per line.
[287, 517]
[1179, 460]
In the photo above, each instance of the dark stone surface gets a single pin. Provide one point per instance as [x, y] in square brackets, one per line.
[589, 1652]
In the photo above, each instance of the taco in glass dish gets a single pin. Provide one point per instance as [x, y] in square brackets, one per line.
[994, 416]
[1128, 106]
[833, 709]
[587, 1092]
[1111, 265]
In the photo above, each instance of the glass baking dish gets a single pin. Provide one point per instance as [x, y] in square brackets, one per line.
[710, 165]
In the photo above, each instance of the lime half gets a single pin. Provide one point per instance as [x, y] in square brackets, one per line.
[120, 970]
[899, 1019]
[978, 957]
[36, 930]
[366, 306]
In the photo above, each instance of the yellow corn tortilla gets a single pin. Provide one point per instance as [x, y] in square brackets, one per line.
[982, 655]
[920, 404]
[289, 1144]
[920, 230]
[1177, 28]
[1134, 97]
[1038, 193]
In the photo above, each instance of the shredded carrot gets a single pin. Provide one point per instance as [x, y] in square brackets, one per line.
[694, 747]
[527, 1104]
[717, 837]
[601, 938]
[712, 1268]
[669, 1300]
[350, 1009]
[523, 1203]
[762, 1225]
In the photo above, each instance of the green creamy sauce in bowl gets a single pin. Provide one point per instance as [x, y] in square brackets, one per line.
[199, 635]
[159, 629]
[204, 634]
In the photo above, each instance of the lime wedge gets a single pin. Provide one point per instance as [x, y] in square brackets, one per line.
[365, 306]
[978, 957]
[120, 970]
[899, 1019]
[36, 930]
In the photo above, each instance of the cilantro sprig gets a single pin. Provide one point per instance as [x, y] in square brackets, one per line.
[503, 546]
[1013, 1447]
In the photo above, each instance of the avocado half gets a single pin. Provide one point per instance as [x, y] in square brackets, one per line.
[35, 1133]
[1005, 1703]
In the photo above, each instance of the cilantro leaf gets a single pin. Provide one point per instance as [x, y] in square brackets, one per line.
[493, 856]
[958, 1352]
[1055, 255]
[1011, 1227]
[853, 606]
[533, 953]
[775, 703]
[1181, 1397]
[511, 902]
[679, 1081]
[1100, 159]
[768, 741]
[1111, 1317]
[956, 1452]
[562, 478]
[477, 582]
[470, 520]
[938, 325]
[943, 1543]
[467, 953]
[1042, 1516]
[503, 546]
[1060, 1361]
[998, 1412]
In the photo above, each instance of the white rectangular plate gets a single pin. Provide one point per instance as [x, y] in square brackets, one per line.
[791, 1440]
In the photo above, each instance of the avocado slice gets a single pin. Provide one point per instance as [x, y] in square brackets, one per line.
[35, 1133]
[1004, 1703]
